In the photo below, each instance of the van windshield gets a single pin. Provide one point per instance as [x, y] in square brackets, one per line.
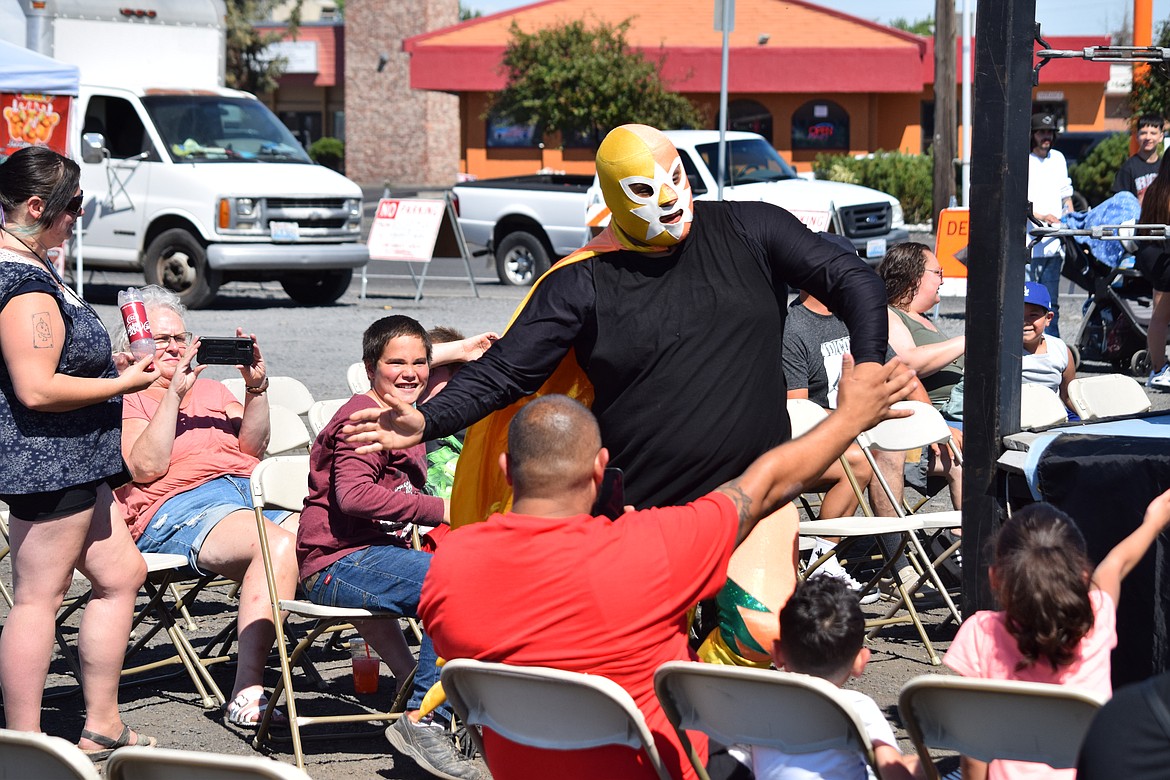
[749, 160]
[212, 128]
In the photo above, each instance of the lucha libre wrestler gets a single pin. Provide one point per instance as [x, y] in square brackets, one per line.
[668, 325]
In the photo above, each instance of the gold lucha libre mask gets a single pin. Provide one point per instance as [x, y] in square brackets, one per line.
[645, 187]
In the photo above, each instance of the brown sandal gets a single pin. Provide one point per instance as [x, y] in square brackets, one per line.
[108, 745]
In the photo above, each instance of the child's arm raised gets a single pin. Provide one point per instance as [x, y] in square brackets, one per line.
[1130, 550]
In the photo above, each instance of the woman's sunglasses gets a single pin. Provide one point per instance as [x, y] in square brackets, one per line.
[74, 204]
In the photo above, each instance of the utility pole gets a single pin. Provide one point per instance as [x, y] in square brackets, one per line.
[945, 120]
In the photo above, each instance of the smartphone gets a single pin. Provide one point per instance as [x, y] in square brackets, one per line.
[225, 351]
[611, 497]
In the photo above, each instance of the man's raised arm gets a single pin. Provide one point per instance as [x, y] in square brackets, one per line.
[781, 474]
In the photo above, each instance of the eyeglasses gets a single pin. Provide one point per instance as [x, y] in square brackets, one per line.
[162, 340]
[936, 271]
[74, 204]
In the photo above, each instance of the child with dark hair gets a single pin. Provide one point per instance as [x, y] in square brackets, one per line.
[822, 634]
[1058, 618]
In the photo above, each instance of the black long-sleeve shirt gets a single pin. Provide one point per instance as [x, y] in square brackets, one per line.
[683, 350]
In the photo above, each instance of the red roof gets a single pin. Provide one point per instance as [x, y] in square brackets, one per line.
[1071, 71]
[799, 54]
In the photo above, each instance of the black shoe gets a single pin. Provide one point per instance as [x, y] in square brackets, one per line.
[432, 749]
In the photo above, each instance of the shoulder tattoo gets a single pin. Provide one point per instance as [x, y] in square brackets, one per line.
[42, 331]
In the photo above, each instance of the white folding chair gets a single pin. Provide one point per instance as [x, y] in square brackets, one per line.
[286, 391]
[1040, 407]
[137, 763]
[286, 431]
[357, 378]
[996, 719]
[156, 616]
[926, 426]
[1107, 395]
[547, 708]
[283, 483]
[321, 412]
[803, 416]
[41, 757]
[794, 713]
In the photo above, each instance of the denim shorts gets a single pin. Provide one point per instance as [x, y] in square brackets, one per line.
[181, 524]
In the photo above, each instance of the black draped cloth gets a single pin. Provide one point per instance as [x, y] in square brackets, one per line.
[1105, 483]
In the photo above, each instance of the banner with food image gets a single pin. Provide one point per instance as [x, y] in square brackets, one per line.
[33, 119]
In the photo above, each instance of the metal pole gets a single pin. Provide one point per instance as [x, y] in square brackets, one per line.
[1003, 85]
[725, 21]
[966, 153]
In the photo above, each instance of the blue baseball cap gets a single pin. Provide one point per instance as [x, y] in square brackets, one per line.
[1036, 293]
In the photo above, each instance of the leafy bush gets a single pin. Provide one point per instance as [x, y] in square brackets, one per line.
[1093, 176]
[329, 152]
[908, 177]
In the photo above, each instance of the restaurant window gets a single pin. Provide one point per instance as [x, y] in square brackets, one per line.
[820, 125]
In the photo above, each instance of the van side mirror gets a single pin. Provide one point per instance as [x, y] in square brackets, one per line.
[93, 148]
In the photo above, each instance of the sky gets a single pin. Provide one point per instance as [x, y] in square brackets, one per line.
[1056, 17]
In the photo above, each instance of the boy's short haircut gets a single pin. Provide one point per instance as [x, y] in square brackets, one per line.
[1151, 120]
[444, 334]
[821, 628]
[380, 333]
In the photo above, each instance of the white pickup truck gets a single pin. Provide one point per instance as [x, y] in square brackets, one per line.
[530, 221]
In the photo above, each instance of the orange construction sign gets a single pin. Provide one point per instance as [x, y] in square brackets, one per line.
[950, 245]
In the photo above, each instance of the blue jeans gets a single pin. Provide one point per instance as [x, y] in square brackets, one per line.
[182, 523]
[1046, 270]
[385, 578]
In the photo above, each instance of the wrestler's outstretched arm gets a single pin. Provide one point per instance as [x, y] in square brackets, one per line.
[781, 474]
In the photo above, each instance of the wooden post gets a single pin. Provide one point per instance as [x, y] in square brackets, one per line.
[995, 280]
[945, 120]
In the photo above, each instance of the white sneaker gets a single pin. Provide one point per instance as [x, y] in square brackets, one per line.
[855, 586]
[1160, 380]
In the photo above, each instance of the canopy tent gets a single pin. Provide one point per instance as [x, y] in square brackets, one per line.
[25, 71]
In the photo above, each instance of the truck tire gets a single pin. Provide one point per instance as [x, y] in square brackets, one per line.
[317, 289]
[177, 261]
[520, 259]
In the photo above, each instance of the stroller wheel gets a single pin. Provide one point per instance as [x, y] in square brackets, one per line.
[1076, 355]
[1139, 364]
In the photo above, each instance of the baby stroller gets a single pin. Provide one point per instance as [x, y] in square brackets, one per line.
[1098, 258]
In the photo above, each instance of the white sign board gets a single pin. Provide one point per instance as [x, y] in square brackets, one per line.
[816, 221]
[405, 229]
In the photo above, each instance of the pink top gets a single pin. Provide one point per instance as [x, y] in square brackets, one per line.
[207, 446]
[984, 648]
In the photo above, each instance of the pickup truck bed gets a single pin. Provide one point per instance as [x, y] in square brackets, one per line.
[526, 221]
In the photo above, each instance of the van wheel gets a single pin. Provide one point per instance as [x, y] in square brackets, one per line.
[177, 261]
[520, 259]
[317, 289]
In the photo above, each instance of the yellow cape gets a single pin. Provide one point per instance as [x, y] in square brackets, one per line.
[480, 489]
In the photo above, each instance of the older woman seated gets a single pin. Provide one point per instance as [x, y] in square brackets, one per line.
[190, 447]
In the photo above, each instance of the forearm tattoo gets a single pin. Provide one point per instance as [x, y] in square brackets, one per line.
[42, 331]
[742, 501]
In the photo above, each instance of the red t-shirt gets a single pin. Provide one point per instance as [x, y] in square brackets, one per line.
[582, 594]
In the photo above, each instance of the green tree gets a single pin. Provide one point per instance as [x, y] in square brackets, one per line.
[1093, 176]
[583, 81]
[918, 26]
[247, 67]
[466, 12]
[1150, 93]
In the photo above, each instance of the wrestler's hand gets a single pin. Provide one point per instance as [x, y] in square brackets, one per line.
[867, 391]
[396, 428]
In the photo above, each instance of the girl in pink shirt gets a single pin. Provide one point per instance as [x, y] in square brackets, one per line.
[1058, 622]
